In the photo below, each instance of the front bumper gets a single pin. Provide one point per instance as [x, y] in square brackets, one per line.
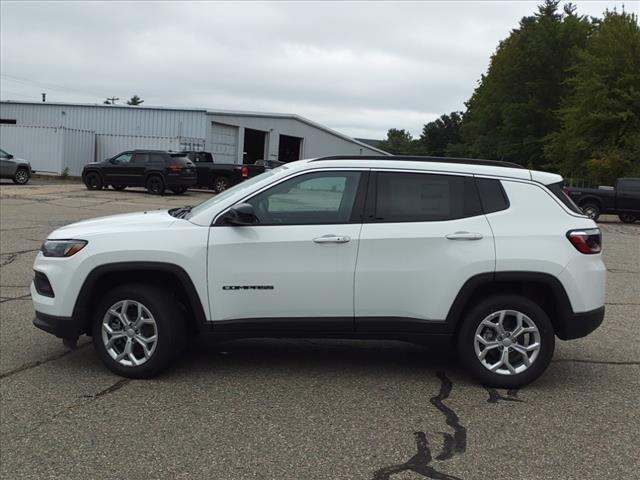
[579, 325]
[62, 327]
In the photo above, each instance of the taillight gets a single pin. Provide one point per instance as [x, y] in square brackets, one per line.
[175, 168]
[244, 171]
[587, 241]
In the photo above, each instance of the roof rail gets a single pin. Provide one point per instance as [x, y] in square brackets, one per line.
[409, 158]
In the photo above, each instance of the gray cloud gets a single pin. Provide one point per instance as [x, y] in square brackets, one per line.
[358, 67]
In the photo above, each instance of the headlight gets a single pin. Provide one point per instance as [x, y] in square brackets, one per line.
[62, 248]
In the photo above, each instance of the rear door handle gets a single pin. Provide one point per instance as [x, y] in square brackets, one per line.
[332, 239]
[464, 236]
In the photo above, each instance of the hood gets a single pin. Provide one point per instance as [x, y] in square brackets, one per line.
[127, 222]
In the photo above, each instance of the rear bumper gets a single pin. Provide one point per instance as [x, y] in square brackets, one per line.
[181, 181]
[62, 327]
[579, 325]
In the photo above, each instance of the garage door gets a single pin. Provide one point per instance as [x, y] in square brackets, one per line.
[224, 143]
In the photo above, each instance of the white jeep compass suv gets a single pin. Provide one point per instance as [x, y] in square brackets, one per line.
[487, 257]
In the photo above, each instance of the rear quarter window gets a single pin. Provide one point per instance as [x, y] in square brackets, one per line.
[492, 195]
[558, 191]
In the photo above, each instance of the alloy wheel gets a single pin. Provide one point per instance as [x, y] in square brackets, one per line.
[22, 176]
[221, 184]
[507, 342]
[129, 333]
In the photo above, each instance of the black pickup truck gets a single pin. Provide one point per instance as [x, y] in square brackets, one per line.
[622, 200]
[220, 176]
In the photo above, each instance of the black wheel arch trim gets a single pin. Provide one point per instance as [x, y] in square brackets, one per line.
[82, 304]
[564, 320]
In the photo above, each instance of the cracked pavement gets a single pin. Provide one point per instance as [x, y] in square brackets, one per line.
[293, 409]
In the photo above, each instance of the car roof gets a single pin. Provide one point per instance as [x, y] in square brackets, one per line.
[469, 166]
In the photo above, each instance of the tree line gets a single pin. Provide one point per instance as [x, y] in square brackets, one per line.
[562, 93]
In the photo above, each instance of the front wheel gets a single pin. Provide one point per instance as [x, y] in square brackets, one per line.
[627, 218]
[93, 181]
[138, 330]
[22, 176]
[506, 341]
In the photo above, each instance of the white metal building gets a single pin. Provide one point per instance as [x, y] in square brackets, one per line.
[58, 137]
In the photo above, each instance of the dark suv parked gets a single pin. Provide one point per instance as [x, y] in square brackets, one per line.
[156, 170]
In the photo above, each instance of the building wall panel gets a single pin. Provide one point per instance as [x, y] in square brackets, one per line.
[109, 119]
[78, 149]
[41, 146]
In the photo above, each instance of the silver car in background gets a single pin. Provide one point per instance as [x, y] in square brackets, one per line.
[16, 169]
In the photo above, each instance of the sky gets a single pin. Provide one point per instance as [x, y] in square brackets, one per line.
[358, 67]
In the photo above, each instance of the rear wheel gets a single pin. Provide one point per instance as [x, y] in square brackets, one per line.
[220, 184]
[93, 181]
[155, 185]
[179, 190]
[119, 187]
[21, 176]
[138, 330]
[506, 341]
[591, 210]
[627, 218]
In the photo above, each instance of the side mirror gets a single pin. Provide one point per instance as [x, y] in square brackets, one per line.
[113, 161]
[9, 156]
[241, 215]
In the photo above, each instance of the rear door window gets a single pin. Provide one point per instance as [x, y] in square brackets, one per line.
[423, 197]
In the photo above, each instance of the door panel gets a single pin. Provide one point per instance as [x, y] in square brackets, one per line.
[412, 270]
[426, 235]
[628, 195]
[114, 171]
[279, 272]
[297, 263]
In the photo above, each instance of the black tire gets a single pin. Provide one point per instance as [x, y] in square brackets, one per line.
[119, 187]
[93, 181]
[155, 185]
[179, 190]
[484, 309]
[220, 184]
[170, 323]
[21, 177]
[591, 210]
[627, 218]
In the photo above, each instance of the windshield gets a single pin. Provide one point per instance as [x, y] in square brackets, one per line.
[230, 191]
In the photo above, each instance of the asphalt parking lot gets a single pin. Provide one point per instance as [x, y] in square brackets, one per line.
[303, 409]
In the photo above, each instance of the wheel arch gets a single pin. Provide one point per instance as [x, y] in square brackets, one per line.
[542, 288]
[167, 275]
[590, 199]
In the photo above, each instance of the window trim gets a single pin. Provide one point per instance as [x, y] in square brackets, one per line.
[372, 195]
[358, 202]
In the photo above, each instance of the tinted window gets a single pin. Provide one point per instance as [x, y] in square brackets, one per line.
[558, 190]
[140, 158]
[492, 195]
[629, 185]
[156, 158]
[315, 198]
[420, 197]
[124, 158]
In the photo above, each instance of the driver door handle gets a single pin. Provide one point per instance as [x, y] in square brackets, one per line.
[332, 239]
[464, 236]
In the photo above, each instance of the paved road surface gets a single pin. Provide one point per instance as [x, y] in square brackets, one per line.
[304, 409]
